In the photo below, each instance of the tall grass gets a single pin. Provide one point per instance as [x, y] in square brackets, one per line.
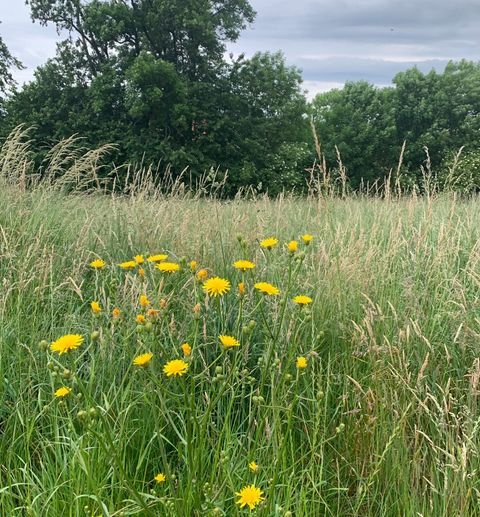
[383, 421]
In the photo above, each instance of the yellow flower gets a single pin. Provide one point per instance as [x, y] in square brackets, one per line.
[63, 392]
[175, 367]
[302, 300]
[144, 301]
[168, 267]
[187, 349]
[141, 272]
[96, 309]
[269, 243]
[241, 288]
[250, 496]
[202, 274]
[130, 264]
[98, 264]
[139, 259]
[140, 318]
[266, 288]
[292, 246]
[116, 313]
[66, 343]
[302, 362]
[143, 359]
[228, 341]
[216, 286]
[160, 477]
[243, 265]
[307, 238]
[157, 258]
[193, 265]
[253, 466]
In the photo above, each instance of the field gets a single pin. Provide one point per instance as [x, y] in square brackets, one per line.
[364, 402]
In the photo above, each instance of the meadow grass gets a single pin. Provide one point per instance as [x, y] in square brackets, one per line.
[382, 421]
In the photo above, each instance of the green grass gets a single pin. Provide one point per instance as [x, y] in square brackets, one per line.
[382, 422]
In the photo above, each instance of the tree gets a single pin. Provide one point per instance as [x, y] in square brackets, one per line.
[7, 62]
[359, 120]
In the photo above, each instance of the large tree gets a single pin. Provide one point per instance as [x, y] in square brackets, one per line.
[7, 62]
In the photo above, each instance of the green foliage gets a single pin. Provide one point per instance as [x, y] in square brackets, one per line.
[7, 62]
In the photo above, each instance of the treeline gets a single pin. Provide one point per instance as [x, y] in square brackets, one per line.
[153, 78]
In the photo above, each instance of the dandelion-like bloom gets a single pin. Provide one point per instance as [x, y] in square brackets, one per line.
[253, 466]
[241, 288]
[266, 288]
[202, 275]
[139, 259]
[228, 341]
[302, 299]
[143, 359]
[307, 238]
[130, 264]
[177, 367]
[168, 267]
[63, 392]
[98, 264]
[140, 318]
[160, 477]
[66, 343]
[157, 258]
[302, 362]
[250, 496]
[292, 246]
[96, 309]
[116, 313]
[186, 349]
[269, 243]
[243, 265]
[193, 265]
[152, 313]
[216, 286]
[144, 301]
[141, 272]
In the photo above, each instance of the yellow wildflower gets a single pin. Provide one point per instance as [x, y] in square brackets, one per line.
[241, 288]
[143, 359]
[177, 367]
[193, 265]
[168, 267]
[160, 477]
[96, 309]
[139, 259]
[140, 318]
[302, 362]
[292, 246]
[243, 265]
[130, 264]
[249, 496]
[98, 264]
[157, 258]
[266, 288]
[202, 274]
[141, 272]
[216, 286]
[269, 243]
[302, 300]
[187, 349]
[116, 313]
[253, 466]
[63, 392]
[66, 343]
[144, 301]
[307, 238]
[228, 341]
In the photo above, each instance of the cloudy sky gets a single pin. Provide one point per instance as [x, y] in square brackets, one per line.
[331, 41]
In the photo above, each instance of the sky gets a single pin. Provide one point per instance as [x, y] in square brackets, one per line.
[331, 41]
